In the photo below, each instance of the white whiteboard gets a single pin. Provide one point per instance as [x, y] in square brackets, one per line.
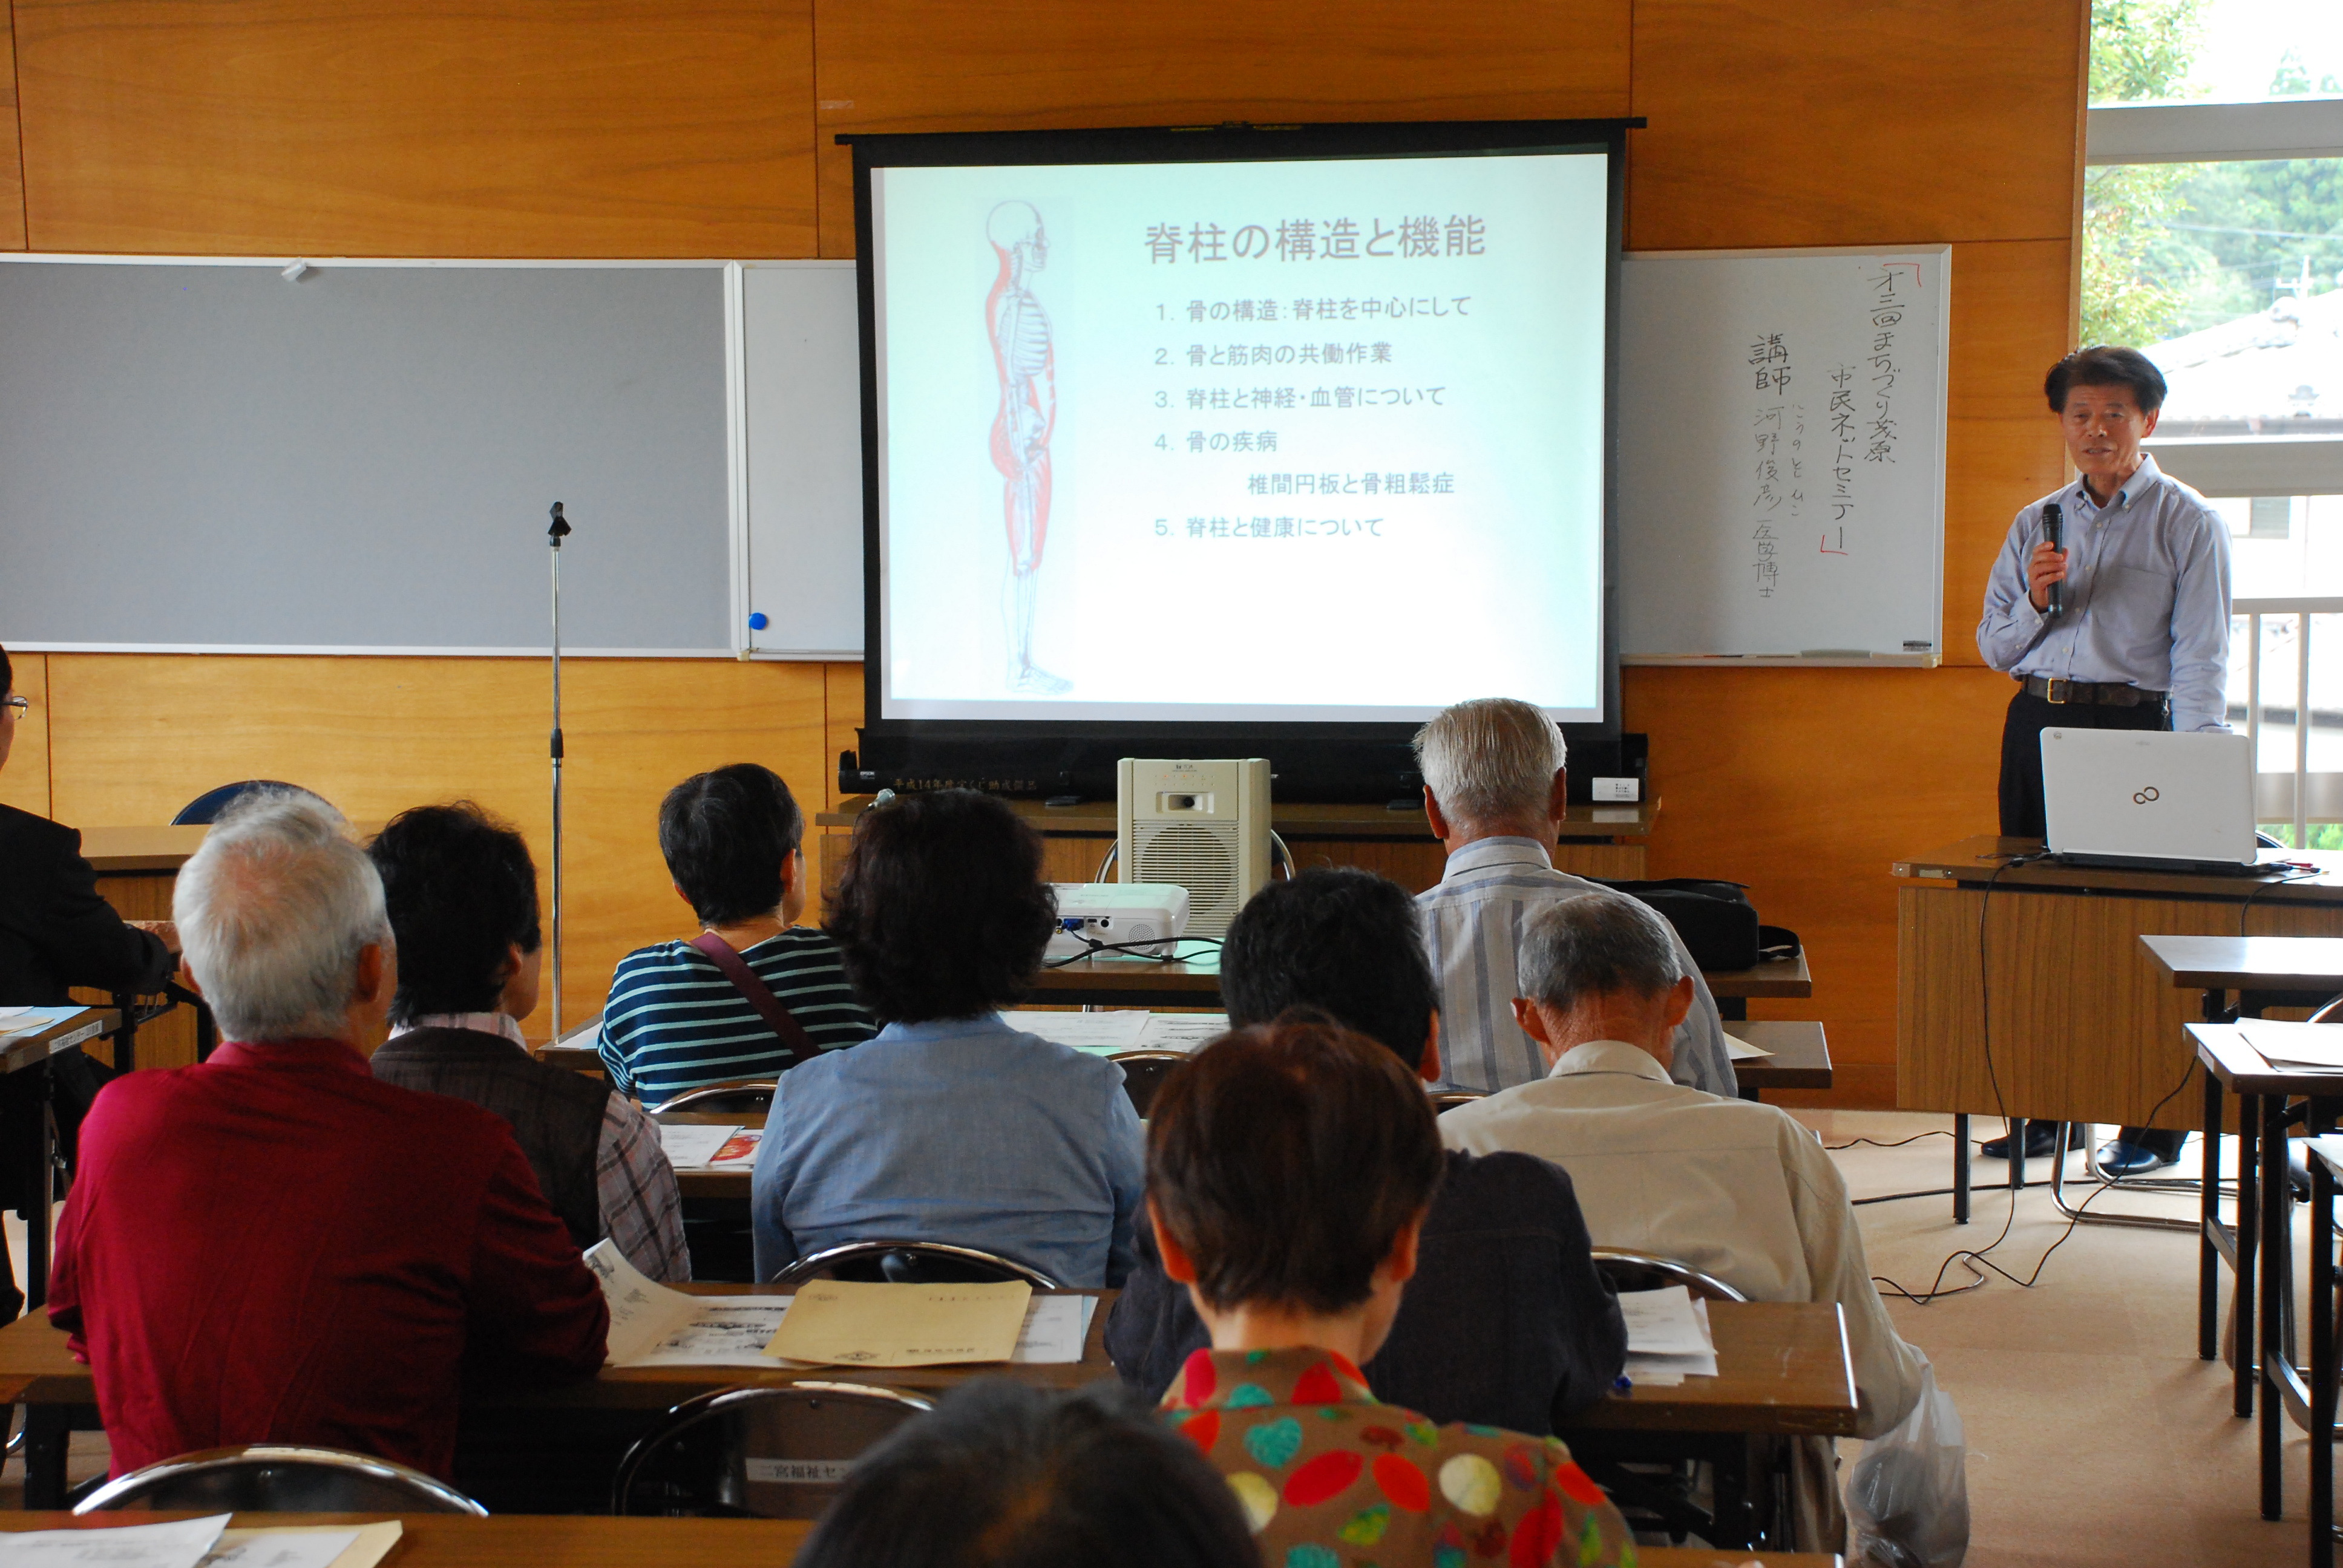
[799, 560]
[1782, 454]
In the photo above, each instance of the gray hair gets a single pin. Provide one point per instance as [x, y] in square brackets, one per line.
[273, 911]
[1594, 945]
[1490, 759]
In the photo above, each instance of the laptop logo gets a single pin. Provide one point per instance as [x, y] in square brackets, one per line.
[2142, 796]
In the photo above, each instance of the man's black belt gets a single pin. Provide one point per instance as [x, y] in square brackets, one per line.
[2105, 693]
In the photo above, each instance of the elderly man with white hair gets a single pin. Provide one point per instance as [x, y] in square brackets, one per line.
[1495, 788]
[1735, 1189]
[273, 1245]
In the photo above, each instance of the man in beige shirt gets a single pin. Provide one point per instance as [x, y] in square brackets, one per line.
[1735, 1188]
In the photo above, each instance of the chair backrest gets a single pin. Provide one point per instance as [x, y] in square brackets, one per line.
[279, 1478]
[771, 1452]
[741, 1096]
[1143, 1073]
[2329, 1012]
[912, 1264]
[205, 808]
[1644, 1272]
[1448, 1099]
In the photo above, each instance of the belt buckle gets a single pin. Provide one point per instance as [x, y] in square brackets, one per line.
[2055, 688]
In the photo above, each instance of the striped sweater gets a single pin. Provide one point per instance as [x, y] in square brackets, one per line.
[674, 1022]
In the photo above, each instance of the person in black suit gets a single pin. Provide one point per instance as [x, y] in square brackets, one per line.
[55, 932]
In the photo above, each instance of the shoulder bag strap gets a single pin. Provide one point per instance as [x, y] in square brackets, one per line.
[793, 1037]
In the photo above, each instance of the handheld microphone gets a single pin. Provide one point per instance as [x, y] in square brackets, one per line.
[2054, 534]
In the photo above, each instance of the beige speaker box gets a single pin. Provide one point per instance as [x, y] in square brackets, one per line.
[1202, 825]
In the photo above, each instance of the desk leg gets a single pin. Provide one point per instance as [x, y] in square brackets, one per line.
[2209, 1257]
[1734, 1473]
[48, 1430]
[2242, 1297]
[2274, 1284]
[1960, 1167]
[2016, 1127]
[39, 1190]
[2322, 1365]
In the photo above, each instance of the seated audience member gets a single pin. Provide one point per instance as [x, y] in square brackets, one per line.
[55, 932]
[461, 892]
[1001, 1475]
[1289, 1170]
[1506, 1321]
[273, 1246]
[1737, 1190]
[1496, 789]
[684, 1014]
[950, 1125]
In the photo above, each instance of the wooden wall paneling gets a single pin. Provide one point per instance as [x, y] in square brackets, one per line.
[12, 159]
[25, 781]
[903, 65]
[169, 1041]
[441, 127]
[138, 737]
[1813, 124]
[2011, 305]
[1805, 784]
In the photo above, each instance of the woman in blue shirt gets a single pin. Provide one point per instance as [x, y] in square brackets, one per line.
[950, 1125]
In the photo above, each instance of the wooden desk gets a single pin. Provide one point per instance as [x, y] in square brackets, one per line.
[1605, 841]
[2265, 1231]
[1780, 978]
[136, 870]
[704, 1181]
[1801, 1058]
[2086, 1026]
[588, 1541]
[30, 1052]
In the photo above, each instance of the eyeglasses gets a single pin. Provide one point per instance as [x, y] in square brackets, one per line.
[22, 705]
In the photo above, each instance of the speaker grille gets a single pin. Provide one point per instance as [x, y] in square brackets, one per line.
[1199, 857]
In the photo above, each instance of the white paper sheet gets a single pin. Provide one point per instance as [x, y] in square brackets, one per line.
[33, 1020]
[689, 1146]
[1117, 1030]
[1055, 1328]
[1183, 1030]
[280, 1548]
[2295, 1044]
[724, 1331]
[1661, 1368]
[1740, 1049]
[181, 1543]
[1662, 1322]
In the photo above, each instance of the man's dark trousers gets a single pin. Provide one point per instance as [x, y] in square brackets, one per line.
[2021, 797]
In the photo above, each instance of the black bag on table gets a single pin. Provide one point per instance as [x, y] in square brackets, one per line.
[1716, 920]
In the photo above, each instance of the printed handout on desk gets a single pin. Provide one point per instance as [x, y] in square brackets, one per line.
[1740, 1049]
[690, 1147]
[740, 1149]
[1183, 1030]
[182, 1543]
[310, 1546]
[845, 1322]
[33, 1020]
[653, 1326]
[2295, 1044]
[1115, 1031]
[1056, 1327]
[1668, 1337]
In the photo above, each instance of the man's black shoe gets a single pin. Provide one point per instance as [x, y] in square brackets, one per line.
[2041, 1137]
[2122, 1159]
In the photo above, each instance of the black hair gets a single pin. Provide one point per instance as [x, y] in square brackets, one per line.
[1285, 1159]
[1003, 1474]
[940, 910]
[2102, 366]
[1343, 941]
[461, 893]
[725, 834]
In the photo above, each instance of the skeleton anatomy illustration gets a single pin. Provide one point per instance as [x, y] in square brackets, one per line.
[1027, 367]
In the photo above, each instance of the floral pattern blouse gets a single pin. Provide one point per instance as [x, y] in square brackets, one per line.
[1331, 1478]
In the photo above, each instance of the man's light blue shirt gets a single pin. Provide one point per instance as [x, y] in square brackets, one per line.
[958, 1130]
[2147, 597]
[1472, 923]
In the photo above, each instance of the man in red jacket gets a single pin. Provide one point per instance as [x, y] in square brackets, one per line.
[274, 1246]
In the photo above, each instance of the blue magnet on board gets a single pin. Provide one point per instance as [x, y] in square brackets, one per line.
[757, 621]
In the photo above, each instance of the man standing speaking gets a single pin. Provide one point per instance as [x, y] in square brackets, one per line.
[2141, 639]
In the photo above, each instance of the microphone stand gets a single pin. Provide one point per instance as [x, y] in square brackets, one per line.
[558, 531]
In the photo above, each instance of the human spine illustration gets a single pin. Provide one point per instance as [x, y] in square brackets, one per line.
[1027, 367]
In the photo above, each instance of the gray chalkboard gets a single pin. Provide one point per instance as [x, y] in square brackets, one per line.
[213, 456]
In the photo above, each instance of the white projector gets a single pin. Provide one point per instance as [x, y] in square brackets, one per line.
[1154, 914]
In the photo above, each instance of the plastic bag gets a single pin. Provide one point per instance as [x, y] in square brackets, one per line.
[1907, 1497]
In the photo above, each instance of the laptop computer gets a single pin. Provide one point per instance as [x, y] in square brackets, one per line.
[2150, 798]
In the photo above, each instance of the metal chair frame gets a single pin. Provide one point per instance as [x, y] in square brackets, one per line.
[821, 1266]
[1448, 1099]
[1670, 1270]
[727, 1401]
[134, 1491]
[693, 1099]
[1139, 1056]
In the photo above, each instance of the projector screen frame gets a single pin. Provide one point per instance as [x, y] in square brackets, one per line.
[1316, 760]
